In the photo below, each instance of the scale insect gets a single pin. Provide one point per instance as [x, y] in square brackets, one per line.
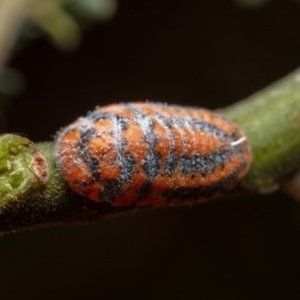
[152, 154]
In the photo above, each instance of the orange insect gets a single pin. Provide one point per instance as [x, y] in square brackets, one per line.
[152, 154]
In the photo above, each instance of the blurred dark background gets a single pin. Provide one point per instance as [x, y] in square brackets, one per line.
[208, 53]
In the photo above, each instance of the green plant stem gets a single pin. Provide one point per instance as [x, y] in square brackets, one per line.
[270, 119]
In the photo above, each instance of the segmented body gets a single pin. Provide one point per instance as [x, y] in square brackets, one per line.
[152, 154]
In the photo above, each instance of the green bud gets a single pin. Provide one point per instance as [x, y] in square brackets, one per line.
[22, 168]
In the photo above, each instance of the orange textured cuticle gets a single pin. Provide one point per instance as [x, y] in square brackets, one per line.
[152, 154]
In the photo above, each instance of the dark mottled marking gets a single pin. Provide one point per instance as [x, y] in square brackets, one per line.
[151, 163]
[92, 163]
[122, 122]
[126, 162]
[93, 166]
[209, 128]
[184, 193]
[171, 160]
[145, 191]
[204, 164]
[113, 187]
[177, 122]
[87, 133]
[184, 164]
[171, 163]
[81, 183]
[97, 115]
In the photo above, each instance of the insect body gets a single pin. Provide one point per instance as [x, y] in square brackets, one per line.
[152, 154]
